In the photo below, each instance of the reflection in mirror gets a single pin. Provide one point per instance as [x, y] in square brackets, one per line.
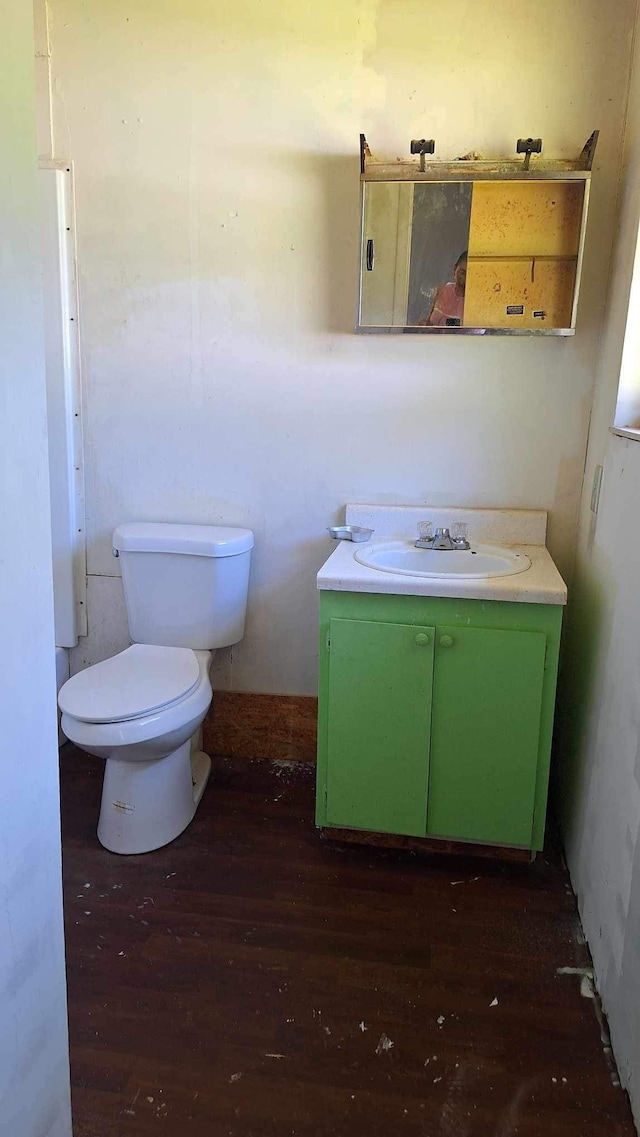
[386, 241]
[415, 238]
[495, 255]
[438, 263]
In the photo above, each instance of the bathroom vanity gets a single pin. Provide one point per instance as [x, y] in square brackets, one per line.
[437, 691]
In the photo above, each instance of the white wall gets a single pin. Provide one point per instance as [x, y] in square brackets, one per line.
[599, 726]
[34, 1069]
[215, 149]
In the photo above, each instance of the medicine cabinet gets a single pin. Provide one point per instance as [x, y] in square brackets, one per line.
[473, 247]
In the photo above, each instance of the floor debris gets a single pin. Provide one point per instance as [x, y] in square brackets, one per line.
[378, 941]
[587, 983]
[587, 989]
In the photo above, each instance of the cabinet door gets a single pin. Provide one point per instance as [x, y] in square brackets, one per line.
[379, 712]
[386, 249]
[519, 293]
[487, 700]
[526, 219]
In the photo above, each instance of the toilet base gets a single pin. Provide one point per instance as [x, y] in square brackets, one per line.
[145, 805]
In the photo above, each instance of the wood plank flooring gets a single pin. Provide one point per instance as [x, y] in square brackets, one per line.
[252, 980]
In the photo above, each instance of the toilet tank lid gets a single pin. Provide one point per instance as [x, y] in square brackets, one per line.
[196, 540]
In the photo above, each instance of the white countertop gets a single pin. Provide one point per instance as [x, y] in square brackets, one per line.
[539, 584]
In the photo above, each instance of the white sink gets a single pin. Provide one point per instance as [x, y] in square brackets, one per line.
[477, 563]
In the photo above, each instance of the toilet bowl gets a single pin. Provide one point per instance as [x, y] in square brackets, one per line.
[141, 710]
[153, 778]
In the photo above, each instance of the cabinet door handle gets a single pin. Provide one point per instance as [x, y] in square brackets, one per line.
[421, 639]
[446, 641]
[371, 256]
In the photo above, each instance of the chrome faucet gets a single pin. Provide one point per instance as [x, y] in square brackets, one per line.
[442, 538]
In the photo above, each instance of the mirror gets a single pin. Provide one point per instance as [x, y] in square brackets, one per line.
[495, 256]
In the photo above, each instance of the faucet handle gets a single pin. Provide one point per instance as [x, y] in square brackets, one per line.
[425, 530]
[460, 534]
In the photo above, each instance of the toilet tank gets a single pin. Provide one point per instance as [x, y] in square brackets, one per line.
[184, 585]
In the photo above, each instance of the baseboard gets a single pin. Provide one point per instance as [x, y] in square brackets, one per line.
[279, 727]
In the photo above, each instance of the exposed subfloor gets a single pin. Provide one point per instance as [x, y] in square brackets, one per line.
[253, 980]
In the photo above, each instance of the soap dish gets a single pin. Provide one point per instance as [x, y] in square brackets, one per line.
[349, 533]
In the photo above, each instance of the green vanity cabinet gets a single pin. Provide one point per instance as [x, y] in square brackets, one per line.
[487, 699]
[435, 716]
[380, 680]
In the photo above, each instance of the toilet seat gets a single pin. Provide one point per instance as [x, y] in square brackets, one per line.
[138, 681]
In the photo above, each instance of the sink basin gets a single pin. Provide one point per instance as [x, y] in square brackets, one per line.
[477, 563]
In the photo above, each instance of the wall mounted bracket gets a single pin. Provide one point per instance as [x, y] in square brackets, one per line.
[589, 150]
[364, 153]
[528, 146]
[423, 146]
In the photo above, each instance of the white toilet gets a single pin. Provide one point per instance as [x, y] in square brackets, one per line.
[185, 588]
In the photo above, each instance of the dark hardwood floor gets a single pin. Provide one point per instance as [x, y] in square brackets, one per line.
[252, 980]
